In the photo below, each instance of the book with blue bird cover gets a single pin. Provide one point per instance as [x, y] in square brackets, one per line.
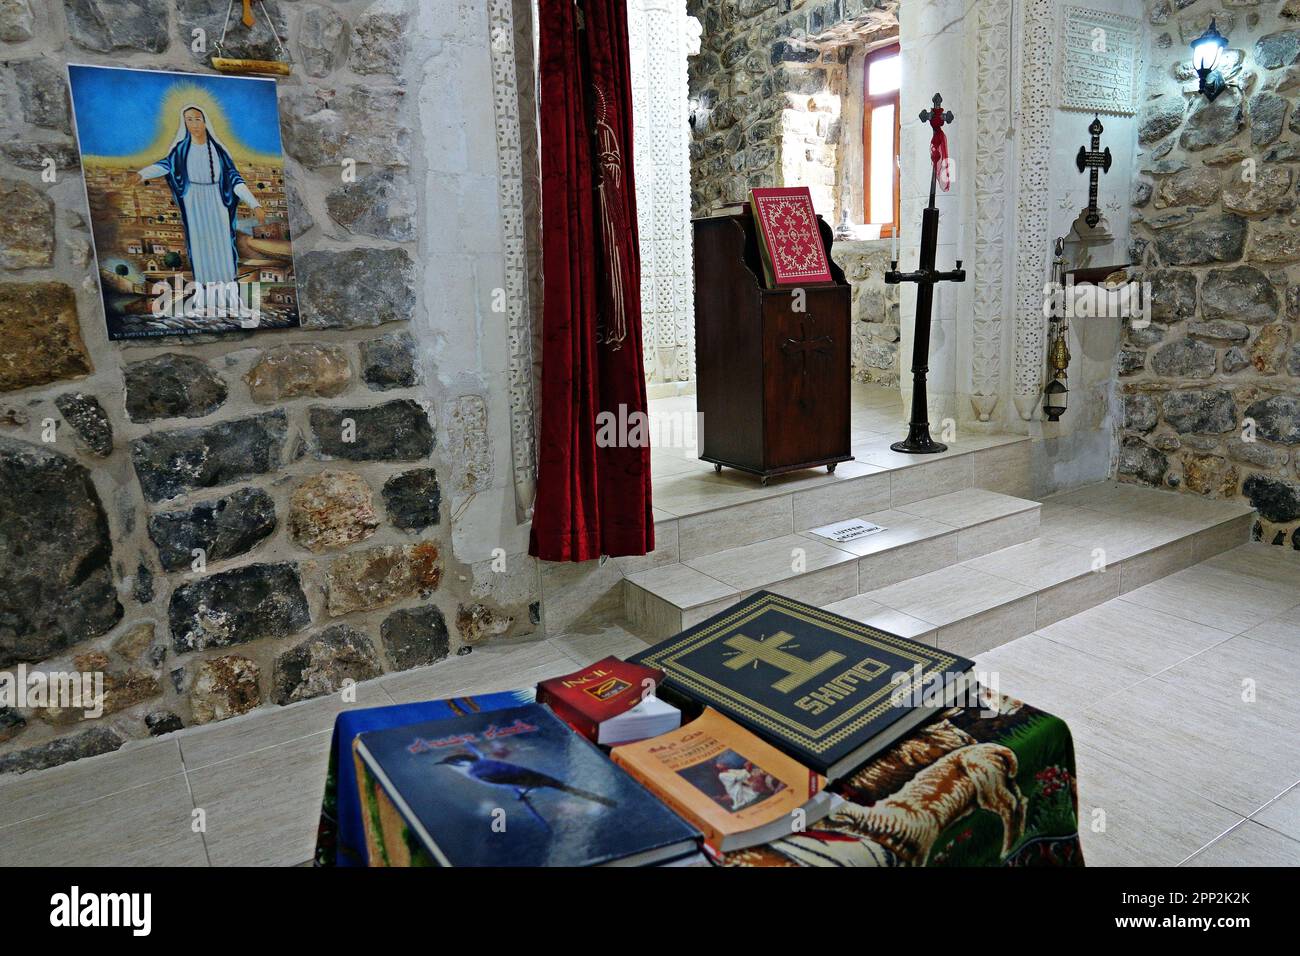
[514, 787]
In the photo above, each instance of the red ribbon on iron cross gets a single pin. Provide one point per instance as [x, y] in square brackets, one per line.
[937, 117]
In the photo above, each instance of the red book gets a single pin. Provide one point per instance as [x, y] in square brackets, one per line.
[792, 238]
[607, 689]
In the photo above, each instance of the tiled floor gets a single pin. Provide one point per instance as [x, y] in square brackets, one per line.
[1181, 698]
[684, 485]
[1180, 695]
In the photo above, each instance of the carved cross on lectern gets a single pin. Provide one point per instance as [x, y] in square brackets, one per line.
[801, 347]
[1093, 160]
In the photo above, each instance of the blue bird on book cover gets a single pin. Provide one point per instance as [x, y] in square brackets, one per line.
[513, 778]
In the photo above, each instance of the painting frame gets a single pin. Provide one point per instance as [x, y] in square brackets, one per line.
[187, 201]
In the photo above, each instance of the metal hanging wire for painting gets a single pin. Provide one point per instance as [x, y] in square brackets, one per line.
[227, 64]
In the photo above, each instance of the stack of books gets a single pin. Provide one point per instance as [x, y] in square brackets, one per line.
[782, 698]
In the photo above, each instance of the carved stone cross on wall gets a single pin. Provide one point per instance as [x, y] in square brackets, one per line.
[1092, 160]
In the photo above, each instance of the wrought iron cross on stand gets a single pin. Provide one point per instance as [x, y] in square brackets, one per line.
[918, 441]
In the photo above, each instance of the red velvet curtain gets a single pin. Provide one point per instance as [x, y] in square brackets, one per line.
[593, 497]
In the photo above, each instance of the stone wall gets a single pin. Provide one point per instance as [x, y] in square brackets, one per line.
[874, 346]
[1211, 390]
[768, 98]
[346, 486]
[766, 92]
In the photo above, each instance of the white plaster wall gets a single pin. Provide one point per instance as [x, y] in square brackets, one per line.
[464, 343]
[1080, 448]
[936, 47]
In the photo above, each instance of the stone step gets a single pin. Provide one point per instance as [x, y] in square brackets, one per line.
[700, 512]
[919, 537]
[1084, 548]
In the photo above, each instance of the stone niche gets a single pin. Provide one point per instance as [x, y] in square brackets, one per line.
[1211, 389]
[186, 516]
[771, 104]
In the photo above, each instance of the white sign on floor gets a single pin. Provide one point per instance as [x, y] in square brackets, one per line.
[849, 530]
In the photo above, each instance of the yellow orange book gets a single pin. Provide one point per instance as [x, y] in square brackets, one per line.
[736, 789]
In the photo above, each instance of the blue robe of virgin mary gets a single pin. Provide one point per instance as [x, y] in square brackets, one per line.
[175, 167]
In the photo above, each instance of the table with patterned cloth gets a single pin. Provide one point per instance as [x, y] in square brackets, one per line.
[984, 785]
[988, 785]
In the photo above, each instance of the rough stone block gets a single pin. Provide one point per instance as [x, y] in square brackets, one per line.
[238, 606]
[87, 743]
[222, 528]
[396, 431]
[1277, 418]
[288, 371]
[43, 94]
[332, 510]
[225, 687]
[56, 582]
[16, 21]
[363, 123]
[1219, 239]
[413, 499]
[1206, 411]
[379, 37]
[89, 420]
[416, 637]
[27, 226]
[374, 577]
[172, 386]
[359, 288]
[250, 43]
[1140, 461]
[1268, 351]
[320, 664]
[1279, 49]
[1184, 358]
[322, 40]
[1243, 294]
[389, 362]
[477, 623]
[107, 25]
[1276, 499]
[172, 463]
[1274, 243]
[160, 722]
[380, 205]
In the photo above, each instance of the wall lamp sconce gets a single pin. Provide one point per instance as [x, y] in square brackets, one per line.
[1207, 51]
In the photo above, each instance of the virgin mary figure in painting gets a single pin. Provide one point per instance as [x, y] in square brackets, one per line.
[207, 188]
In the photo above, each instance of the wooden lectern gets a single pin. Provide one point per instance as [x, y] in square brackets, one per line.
[772, 381]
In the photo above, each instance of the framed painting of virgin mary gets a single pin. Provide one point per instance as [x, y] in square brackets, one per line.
[188, 206]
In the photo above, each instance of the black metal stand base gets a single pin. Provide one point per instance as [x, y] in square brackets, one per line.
[919, 442]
